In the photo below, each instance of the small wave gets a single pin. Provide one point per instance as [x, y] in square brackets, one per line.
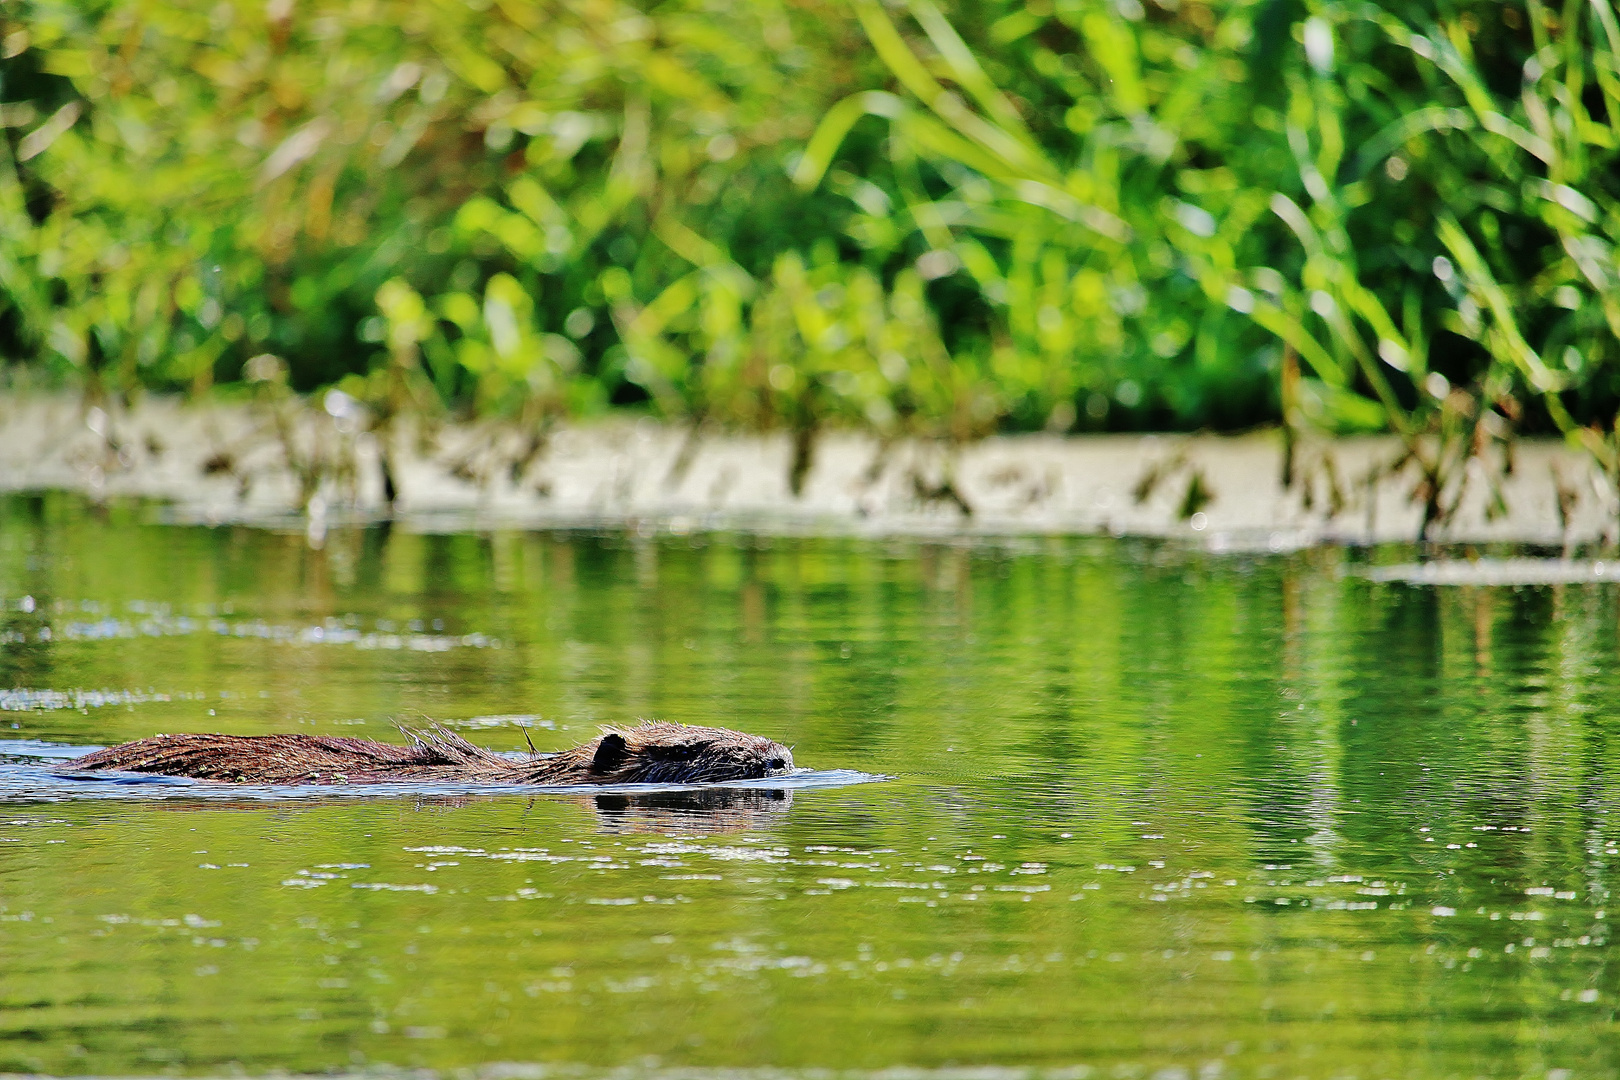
[1507, 572]
[23, 699]
[515, 720]
[36, 748]
[157, 621]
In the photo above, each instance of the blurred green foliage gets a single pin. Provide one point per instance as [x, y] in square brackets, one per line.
[1013, 215]
[189, 185]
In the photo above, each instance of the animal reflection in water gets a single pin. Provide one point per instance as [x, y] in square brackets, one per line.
[711, 810]
[653, 752]
[702, 812]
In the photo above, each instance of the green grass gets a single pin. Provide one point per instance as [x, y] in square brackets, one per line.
[938, 221]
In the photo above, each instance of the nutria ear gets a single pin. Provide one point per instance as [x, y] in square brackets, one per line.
[611, 752]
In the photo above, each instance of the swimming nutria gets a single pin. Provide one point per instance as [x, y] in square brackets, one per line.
[651, 753]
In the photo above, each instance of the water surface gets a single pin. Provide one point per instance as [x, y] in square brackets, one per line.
[1154, 812]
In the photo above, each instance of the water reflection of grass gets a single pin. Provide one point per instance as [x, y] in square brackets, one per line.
[521, 929]
[1154, 809]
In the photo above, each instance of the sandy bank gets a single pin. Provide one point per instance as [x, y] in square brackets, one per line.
[301, 465]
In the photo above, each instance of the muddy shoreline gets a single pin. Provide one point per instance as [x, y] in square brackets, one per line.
[299, 464]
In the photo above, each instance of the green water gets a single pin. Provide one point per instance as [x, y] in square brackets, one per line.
[1154, 813]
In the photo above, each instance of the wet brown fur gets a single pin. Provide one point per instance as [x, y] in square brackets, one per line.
[650, 753]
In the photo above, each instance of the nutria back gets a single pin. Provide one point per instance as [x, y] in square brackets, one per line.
[650, 753]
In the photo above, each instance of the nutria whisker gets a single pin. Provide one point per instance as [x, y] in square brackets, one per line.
[653, 752]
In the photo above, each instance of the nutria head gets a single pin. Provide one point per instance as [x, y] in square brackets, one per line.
[661, 753]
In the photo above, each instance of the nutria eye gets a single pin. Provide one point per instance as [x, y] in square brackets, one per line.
[776, 763]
